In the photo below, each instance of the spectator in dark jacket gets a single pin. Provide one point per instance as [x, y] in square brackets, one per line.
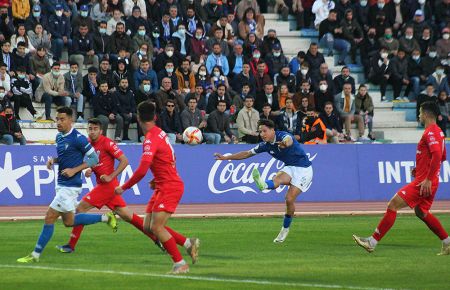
[59, 28]
[36, 17]
[199, 95]
[343, 78]
[134, 21]
[102, 41]
[90, 85]
[314, 59]
[120, 40]
[105, 74]
[22, 92]
[219, 95]
[322, 96]
[399, 73]
[285, 77]
[106, 109]
[276, 60]
[428, 95]
[381, 71]
[325, 74]
[218, 124]
[21, 59]
[417, 77]
[245, 76]
[267, 96]
[10, 130]
[127, 104]
[352, 32]
[167, 92]
[369, 47]
[82, 50]
[171, 122]
[331, 120]
[83, 19]
[331, 36]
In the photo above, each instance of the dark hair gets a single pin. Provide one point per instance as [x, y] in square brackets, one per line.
[328, 103]
[333, 11]
[267, 105]
[55, 64]
[222, 85]
[146, 111]
[104, 22]
[92, 69]
[102, 82]
[95, 121]
[22, 44]
[221, 101]
[21, 68]
[249, 97]
[120, 24]
[268, 123]
[71, 63]
[64, 110]
[245, 84]
[430, 108]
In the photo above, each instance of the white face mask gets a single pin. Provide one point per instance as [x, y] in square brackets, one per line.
[169, 53]
[216, 73]
[421, 2]
[182, 31]
[198, 36]
[146, 88]
[433, 54]
[202, 73]
[74, 73]
[143, 52]
[415, 57]
[276, 54]
[409, 37]
[380, 5]
[84, 13]
[256, 55]
[2, 95]
[304, 71]
[397, 1]
[384, 55]
[440, 71]
[155, 35]
[323, 87]
[363, 3]
[59, 13]
[446, 36]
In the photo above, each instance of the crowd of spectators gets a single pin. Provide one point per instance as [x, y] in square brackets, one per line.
[208, 64]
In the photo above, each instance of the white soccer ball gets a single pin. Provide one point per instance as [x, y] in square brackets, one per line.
[192, 136]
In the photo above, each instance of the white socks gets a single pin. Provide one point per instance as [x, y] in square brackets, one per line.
[181, 263]
[35, 255]
[104, 218]
[372, 242]
[446, 240]
[187, 244]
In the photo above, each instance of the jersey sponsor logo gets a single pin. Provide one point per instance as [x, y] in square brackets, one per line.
[161, 205]
[232, 176]
[147, 154]
[66, 146]
[147, 148]
[432, 139]
[430, 133]
[403, 192]
[147, 142]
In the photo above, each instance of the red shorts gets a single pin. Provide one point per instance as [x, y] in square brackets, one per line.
[410, 193]
[103, 195]
[165, 199]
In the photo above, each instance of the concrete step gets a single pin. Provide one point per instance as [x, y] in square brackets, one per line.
[403, 135]
[35, 131]
[25, 115]
[390, 116]
[276, 17]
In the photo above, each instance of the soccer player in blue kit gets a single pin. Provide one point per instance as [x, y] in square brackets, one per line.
[297, 172]
[72, 148]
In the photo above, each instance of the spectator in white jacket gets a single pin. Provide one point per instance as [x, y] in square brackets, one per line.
[128, 7]
[321, 8]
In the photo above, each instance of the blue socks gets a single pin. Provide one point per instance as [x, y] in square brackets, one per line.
[287, 221]
[45, 236]
[86, 219]
[270, 184]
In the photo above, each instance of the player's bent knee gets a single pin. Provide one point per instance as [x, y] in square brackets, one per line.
[419, 213]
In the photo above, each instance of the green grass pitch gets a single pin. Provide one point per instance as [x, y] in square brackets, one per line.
[235, 253]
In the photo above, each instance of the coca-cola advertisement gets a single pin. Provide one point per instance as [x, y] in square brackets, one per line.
[341, 173]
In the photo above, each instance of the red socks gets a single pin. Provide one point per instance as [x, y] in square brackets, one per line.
[435, 226]
[76, 233]
[172, 248]
[179, 238]
[385, 224]
[138, 222]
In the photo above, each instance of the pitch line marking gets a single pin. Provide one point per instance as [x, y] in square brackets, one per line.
[195, 278]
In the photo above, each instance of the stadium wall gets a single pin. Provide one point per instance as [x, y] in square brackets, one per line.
[341, 173]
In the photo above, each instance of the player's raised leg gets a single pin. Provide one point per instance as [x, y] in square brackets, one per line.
[158, 221]
[386, 223]
[79, 220]
[127, 215]
[436, 227]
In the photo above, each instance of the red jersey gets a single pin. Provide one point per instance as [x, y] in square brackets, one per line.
[159, 156]
[432, 141]
[107, 152]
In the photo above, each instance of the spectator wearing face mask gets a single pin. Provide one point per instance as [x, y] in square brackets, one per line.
[22, 92]
[322, 96]
[10, 131]
[407, 42]
[141, 38]
[199, 51]
[162, 58]
[443, 44]
[381, 72]
[169, 72]
[181, 42]
[145, 72]
[83, 19]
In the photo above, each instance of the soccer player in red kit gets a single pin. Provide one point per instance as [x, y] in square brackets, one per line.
[158, 155]
[419, 194]
[103, 194]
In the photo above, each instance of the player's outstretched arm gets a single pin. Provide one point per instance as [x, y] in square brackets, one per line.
[123, 163]
[236, 156]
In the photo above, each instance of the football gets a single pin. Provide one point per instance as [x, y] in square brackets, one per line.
[192, 136]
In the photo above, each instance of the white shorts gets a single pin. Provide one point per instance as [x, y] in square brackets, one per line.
[301, 177]
[66, 198]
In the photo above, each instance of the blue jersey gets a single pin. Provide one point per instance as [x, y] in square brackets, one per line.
[291, 156]
[71, 149]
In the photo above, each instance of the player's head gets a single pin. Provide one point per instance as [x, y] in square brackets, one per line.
[64, 119]
[429, 111]
[94, 129]
[146, 113]
[266, 130]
